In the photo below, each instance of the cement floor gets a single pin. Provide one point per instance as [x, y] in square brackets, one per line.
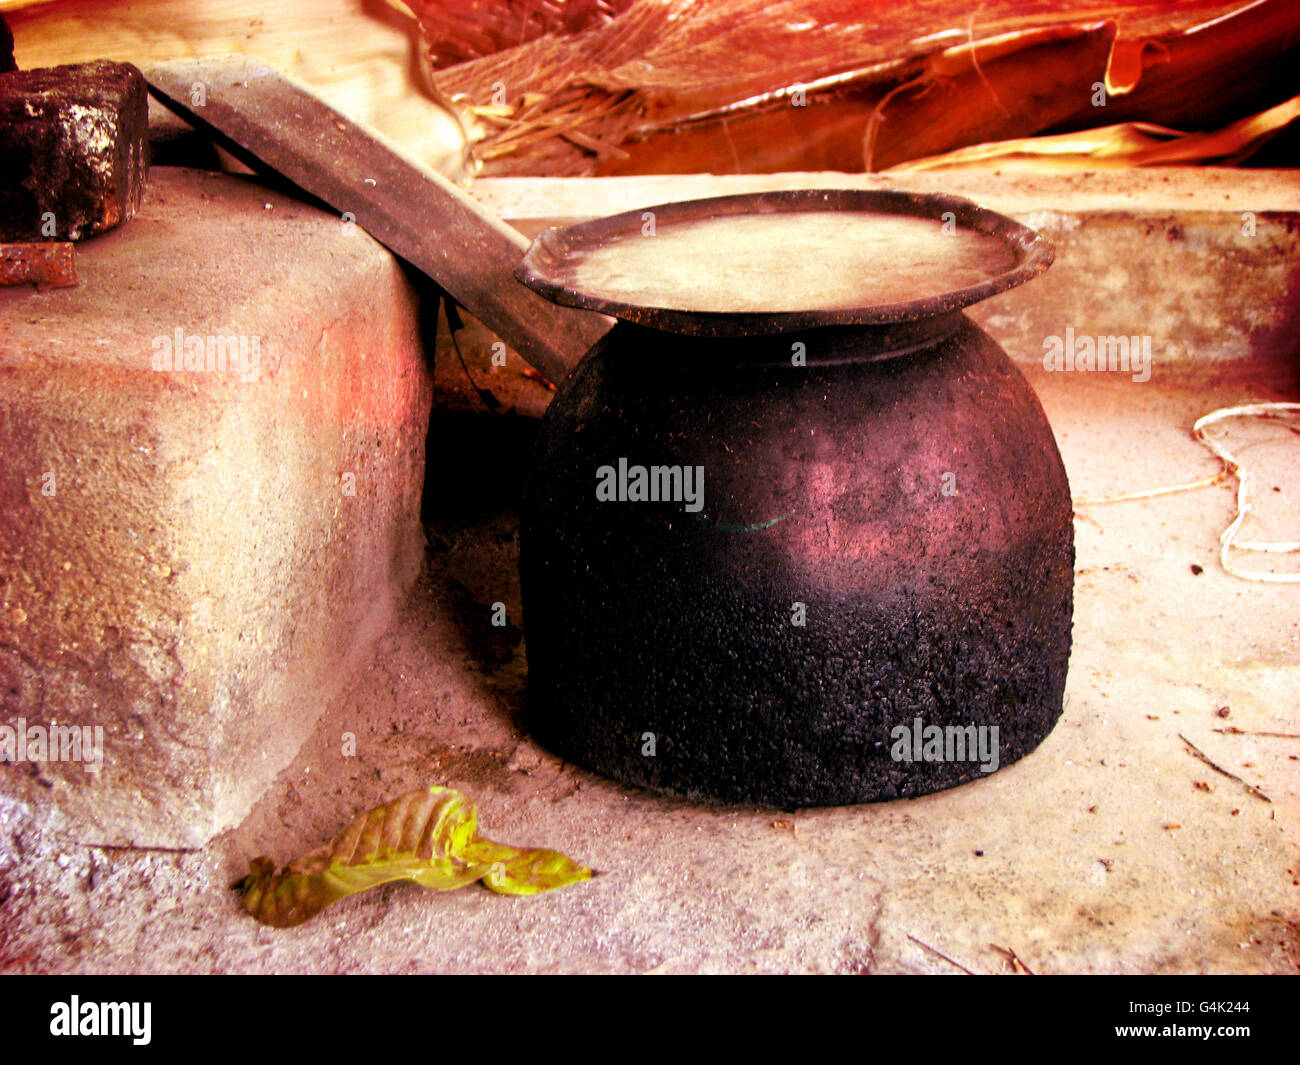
[1110, 849]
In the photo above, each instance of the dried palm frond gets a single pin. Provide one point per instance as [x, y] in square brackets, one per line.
[457, 31]
[743, 85]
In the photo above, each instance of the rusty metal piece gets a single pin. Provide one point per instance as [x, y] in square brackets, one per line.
[275, 122]
[45, 264]
[73, 150]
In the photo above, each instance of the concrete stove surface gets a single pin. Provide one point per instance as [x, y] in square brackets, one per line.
[1109, 849]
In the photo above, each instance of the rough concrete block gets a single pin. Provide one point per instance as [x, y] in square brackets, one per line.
[73, 150]
[211, 478]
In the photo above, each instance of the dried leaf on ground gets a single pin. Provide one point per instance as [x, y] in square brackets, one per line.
[428, 836]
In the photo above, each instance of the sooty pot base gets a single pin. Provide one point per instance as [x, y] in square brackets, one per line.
[871, 599]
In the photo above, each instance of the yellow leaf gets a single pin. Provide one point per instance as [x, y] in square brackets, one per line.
[428, 836]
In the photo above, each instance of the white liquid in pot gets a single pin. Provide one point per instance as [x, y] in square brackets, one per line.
[792, 261]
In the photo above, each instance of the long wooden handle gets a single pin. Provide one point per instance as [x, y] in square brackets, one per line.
[415, 212]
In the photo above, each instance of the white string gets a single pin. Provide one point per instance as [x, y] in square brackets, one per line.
[1228, 538]
[1231, 467]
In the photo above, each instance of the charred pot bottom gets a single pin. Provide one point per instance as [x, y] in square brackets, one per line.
[696, 690]
[866, 595]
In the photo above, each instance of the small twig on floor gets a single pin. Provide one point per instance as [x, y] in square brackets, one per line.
[1219, 769]
[1232, 730]
[143, 850]
[940, 954]
[1017, 966]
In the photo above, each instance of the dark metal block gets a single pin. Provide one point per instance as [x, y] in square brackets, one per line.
[73, 157]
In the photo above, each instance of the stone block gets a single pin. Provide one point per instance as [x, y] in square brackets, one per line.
[213, 457]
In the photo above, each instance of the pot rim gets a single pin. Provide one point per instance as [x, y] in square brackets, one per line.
[540, 268]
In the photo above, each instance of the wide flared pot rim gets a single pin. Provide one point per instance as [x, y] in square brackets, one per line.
[542, 268]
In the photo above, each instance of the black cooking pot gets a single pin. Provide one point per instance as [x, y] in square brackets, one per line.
[797, 531]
